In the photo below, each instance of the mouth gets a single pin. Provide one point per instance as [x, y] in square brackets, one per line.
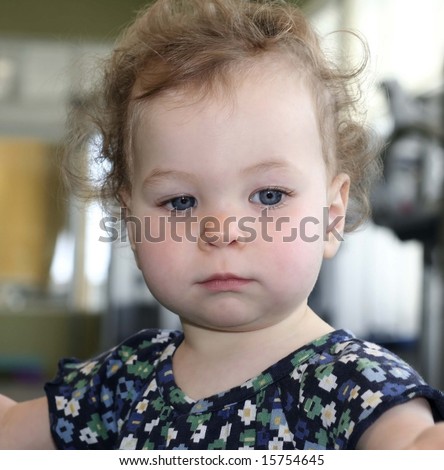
[225, 282]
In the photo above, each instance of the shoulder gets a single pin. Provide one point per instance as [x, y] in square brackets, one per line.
[349, 383]
[127, 358]
[145, 346]
[88, 399]
[364, 360]
[364, 371]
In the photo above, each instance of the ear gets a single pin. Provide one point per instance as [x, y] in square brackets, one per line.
[129, 219]
[337, 207]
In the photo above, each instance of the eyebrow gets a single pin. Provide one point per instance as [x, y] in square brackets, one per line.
[267, 166]
[157, 176]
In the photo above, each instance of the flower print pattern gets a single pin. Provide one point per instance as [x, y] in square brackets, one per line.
[322, 396]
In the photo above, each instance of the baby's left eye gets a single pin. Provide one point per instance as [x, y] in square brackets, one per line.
[181, 203]
[268, 197]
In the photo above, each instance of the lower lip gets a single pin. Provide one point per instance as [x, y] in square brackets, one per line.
[225, 285]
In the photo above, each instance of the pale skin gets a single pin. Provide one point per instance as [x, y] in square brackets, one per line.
[235, 158]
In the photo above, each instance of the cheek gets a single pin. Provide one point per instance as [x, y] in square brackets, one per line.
[296, 262]
[161, 265]
[164, 229]
[297, 256]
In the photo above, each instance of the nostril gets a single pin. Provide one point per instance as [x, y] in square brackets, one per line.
[219, 231]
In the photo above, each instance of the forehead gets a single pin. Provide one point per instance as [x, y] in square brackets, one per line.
[251, 79]
[267, 117]
[254, 95]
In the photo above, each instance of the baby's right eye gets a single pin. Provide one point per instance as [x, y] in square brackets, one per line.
[180, 203]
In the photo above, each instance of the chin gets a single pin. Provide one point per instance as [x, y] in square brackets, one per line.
[229, 322]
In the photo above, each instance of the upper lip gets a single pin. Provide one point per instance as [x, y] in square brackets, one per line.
[223, 277]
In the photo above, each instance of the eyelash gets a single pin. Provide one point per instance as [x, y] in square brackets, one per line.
[283, 191]
[175, 198]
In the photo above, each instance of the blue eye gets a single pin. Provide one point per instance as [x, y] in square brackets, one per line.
[268, 197]
[181, 203]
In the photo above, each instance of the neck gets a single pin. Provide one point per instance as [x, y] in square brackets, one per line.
[210, 361]
[291, 333]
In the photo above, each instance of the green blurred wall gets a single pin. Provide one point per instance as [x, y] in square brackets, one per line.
[67, 19]
[60, 19]
[34, 341]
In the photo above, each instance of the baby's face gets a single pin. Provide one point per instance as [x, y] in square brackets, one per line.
[231, 197]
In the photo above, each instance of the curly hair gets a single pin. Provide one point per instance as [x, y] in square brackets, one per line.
[176, 44]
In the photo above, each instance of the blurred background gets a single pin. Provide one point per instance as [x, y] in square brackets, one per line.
[66, 292]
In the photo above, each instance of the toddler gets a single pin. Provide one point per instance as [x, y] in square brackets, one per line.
[234, 146]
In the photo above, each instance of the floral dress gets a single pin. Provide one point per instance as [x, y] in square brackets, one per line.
[322, 396]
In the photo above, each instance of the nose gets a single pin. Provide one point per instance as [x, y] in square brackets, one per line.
[219, 231]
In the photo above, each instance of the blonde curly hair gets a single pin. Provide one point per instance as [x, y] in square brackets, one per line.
[176, 44]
